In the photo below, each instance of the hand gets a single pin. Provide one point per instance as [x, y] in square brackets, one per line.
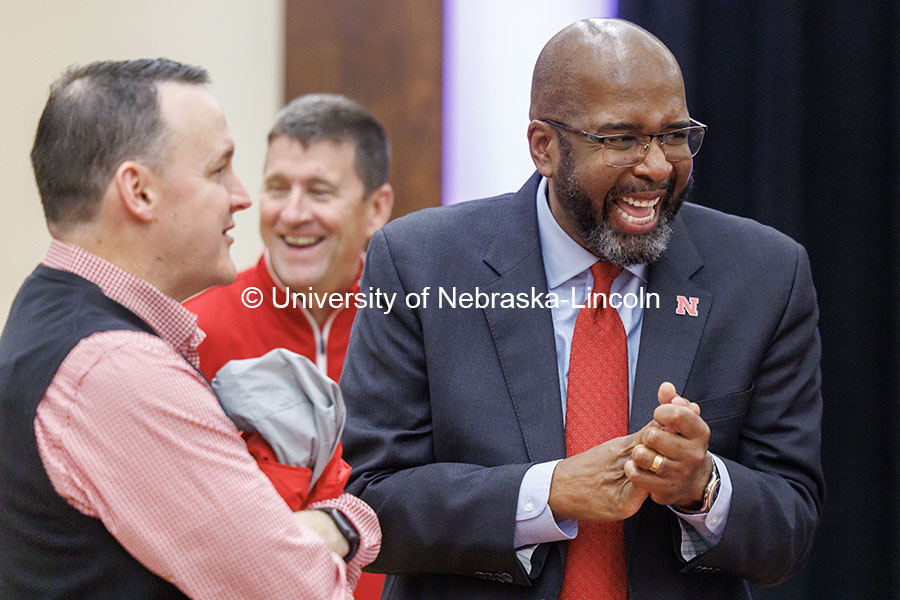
[592, 486]
[680, 437]
[323, 526]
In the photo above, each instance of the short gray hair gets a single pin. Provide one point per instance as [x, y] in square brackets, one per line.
[332, 117]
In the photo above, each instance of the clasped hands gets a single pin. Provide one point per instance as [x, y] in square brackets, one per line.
[612, 480]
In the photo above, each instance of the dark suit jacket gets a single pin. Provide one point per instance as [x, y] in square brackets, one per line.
[447, 408]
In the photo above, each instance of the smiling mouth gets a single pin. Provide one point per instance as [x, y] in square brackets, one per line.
[636, 211]
[304, 241]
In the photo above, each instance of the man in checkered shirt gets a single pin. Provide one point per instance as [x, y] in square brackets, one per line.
[122, 476]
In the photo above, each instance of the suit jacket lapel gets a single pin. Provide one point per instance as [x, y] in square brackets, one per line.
[524, 336]
[669, 340]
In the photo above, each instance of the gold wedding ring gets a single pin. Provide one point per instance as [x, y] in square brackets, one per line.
[657, 462]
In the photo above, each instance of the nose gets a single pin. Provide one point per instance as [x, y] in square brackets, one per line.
[240, 199]
[655, 166]
[297, 209]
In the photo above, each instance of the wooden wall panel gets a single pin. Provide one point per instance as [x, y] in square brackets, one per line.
[386, 54]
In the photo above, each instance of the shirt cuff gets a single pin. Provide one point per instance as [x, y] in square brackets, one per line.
[364, 520]
[710, 525]
[534, 519]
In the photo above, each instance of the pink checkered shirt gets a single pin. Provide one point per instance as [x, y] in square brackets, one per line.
[130, 433]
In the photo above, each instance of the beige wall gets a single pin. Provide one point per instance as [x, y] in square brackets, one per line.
[240, 42]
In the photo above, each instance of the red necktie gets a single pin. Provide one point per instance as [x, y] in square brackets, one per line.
[597, 411]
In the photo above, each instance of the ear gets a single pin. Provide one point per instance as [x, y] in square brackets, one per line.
[380, 204]
[543, 146]
[136, 190]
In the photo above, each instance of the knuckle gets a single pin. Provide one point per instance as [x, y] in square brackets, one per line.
[699, 456]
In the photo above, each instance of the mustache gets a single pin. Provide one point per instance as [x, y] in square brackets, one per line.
[625, 189]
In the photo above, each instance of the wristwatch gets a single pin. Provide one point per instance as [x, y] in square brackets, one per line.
[709, 492]
[346, 528]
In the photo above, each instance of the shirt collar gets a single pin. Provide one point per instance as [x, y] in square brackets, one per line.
[175, 324]
[564, 258]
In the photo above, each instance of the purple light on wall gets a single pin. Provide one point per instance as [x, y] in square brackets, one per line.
[489, 50]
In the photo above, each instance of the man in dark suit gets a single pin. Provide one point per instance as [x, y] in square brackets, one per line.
[487, 430]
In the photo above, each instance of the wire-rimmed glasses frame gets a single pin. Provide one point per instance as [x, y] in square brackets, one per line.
[629, 149]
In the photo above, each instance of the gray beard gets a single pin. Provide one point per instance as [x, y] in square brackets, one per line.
[602, 240]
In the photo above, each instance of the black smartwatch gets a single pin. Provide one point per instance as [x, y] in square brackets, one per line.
[346, 528]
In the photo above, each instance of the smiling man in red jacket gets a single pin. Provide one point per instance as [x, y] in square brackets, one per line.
[325, 193]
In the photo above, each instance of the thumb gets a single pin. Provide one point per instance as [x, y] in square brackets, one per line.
[666, 393]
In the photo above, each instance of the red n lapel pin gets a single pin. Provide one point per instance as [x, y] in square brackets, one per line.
[687, 306]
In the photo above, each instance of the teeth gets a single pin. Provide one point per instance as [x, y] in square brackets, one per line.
[307, 240]
[634, 202]
[637, 220]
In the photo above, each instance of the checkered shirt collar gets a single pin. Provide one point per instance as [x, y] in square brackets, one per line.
[175, 324]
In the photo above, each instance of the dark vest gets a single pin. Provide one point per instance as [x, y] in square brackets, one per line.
[48, 549]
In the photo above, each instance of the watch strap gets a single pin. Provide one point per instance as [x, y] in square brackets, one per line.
[347, 530]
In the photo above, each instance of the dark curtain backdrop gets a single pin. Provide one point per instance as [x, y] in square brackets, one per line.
[802, 100]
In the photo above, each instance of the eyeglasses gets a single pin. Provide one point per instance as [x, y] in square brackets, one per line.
[629, 149]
